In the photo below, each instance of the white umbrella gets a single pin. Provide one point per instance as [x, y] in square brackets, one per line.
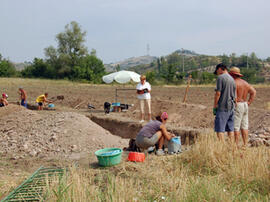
[121, 77]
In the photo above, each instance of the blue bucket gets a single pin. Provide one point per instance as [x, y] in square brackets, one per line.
[51, 105]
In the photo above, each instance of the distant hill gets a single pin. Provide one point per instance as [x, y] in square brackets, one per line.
[130, 62]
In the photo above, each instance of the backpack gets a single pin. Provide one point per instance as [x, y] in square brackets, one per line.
[132, 146]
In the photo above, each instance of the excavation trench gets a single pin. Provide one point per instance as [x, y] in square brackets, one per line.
[128, 129]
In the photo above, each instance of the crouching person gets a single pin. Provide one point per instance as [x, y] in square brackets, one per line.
[3, 100]
[154, 132]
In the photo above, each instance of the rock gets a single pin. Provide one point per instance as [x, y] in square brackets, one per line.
[14, 157]
[262, 136]
[267, 129]
[256, 142]
[267, 143]
[33, 153]
[73, 148]
[53, 138]
[260, 131]
[25, 146]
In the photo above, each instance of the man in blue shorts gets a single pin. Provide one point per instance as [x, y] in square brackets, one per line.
[224, 103]
[23, 96]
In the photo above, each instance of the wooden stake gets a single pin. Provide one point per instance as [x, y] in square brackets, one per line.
[186, 92]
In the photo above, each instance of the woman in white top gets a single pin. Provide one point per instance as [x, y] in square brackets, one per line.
[143, 91]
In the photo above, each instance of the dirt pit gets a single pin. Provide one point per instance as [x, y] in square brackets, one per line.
[51, 134]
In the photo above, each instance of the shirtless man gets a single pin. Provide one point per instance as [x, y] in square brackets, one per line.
[243, 89]
[23, 97]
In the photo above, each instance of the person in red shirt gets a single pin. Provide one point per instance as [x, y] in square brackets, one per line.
[3, 100]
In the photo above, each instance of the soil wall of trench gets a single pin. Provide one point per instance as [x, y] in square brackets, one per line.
[128, 129]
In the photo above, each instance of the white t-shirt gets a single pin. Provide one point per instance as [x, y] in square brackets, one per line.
[146, 96]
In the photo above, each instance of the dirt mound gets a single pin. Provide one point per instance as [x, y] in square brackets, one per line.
[11, 108]
[25, 133]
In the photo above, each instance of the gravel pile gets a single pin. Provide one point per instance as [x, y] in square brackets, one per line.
[261, 136]
[50, 134]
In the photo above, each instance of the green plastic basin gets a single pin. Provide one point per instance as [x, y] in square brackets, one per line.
[109, 156]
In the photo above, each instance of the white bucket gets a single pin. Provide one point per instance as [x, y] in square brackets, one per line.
[174, 145]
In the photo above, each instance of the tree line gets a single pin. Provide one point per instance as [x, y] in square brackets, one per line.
[72, 60]
[175, 68]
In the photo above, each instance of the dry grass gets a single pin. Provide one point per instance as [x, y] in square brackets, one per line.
[209, 171]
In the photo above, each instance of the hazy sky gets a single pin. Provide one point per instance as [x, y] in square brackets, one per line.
[119, 29]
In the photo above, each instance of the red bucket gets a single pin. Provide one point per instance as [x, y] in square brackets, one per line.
[136, 156]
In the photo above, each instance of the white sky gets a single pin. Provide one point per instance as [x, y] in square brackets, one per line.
[119, 29]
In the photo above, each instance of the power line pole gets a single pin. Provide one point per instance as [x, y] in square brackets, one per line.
[147, 49]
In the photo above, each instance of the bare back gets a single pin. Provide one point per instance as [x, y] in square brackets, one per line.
[242, 89]
[23, 95]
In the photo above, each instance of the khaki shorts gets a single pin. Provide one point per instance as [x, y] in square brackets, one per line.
[241, 116]
[148, 102]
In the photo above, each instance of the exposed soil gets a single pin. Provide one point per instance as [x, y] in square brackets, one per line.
[30, 138]
[51, 134]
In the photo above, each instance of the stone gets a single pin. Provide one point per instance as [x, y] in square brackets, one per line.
[267, 129]
[53, 138]
[25, 146]
[260, 131]
[262, 136]
[74, 148]
[267, 143]
[33, 153]
[256, 142]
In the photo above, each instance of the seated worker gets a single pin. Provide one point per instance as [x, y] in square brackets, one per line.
[3, 100]
[23, 97]
[41, 101]
[154, 132]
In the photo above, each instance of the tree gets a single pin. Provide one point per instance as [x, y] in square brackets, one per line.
[93, 52]
[207, 77]
[70, 42]
[90, 68]
[225, 60]
[150, 76]
[69, 51]
[39, 69]
[118, 68]
[233, 59]
[254, 61]
[7, 69]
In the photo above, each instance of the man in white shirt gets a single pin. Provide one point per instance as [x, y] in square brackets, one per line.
[143, 90]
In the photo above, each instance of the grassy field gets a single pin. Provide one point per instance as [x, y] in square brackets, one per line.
[209, 171]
